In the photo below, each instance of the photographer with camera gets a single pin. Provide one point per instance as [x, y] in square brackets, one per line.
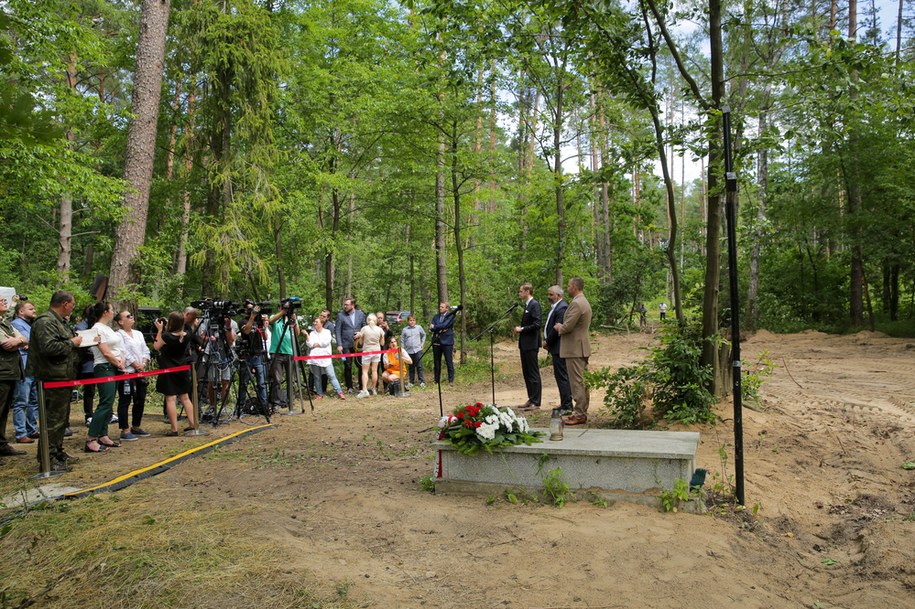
[218, 332]
[284, 329]
[251, 351]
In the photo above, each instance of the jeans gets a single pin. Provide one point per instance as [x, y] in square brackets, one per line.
[416, 368]
[25, 407]
[256, 364]
[318, 371]
[277, 372]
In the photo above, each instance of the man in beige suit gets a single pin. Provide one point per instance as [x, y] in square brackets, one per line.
[575, 348]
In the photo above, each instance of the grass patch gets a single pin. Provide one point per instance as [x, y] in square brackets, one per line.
[136, 550]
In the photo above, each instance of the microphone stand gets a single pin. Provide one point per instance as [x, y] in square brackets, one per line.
[492, 362]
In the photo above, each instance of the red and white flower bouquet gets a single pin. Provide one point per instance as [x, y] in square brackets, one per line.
[485, 426]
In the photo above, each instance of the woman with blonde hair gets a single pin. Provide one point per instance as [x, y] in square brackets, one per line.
[371, 336]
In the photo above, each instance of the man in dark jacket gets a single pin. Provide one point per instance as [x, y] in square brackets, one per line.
[349, 321]
[53, 357]
[552, 341]
[10, 374]
[529, 345]
[442, 328]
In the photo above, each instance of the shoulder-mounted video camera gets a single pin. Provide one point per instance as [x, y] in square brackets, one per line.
[264, 307]
[293, 302]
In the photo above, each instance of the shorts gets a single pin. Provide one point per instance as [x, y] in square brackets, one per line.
[218, 373]
[371, 359]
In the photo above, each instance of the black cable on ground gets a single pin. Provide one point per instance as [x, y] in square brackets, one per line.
[126, 480]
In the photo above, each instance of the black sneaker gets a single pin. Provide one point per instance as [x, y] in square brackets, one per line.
[138, 431]
[68, 432]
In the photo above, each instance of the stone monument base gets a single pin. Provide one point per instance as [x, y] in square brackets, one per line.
[616, 465]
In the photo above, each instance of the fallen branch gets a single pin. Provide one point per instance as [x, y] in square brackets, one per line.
[785, 364]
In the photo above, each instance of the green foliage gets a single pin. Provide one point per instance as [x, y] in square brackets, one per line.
[756, 375]
[626, 395]
[671, 377]
[678, 380]
[427, 484]
[672, 498]
[556, 488]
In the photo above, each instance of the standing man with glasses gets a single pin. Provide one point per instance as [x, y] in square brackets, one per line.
[349, 321]
[552, 342]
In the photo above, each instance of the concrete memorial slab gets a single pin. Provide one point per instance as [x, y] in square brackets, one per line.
[614, 464]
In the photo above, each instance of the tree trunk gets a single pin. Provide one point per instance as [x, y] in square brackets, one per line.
[493, 112]
[856, 277]
[65, 232]
[607, 229]
[141, 141]
[64, 238]
[351, 210]
[558, 120]
[713, 220]
[329, 263]
[458, 245]
[181, 262]
[441, 266]
[670, 250]
[756, 244]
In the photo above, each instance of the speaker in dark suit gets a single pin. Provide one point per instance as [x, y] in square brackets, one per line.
[529, 345]
[551, 343]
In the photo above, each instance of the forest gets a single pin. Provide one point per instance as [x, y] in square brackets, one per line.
[408, 153]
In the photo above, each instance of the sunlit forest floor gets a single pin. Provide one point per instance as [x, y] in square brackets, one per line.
[329, 510]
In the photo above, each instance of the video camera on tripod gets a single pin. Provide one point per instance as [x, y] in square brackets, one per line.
[216, 308]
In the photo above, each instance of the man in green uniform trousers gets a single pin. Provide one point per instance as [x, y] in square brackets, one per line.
[53, 357]
[10, 374]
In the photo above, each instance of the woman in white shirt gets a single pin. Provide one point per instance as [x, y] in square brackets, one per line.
[318, 342]
[136, 352]
[371, 336]
[108, 356]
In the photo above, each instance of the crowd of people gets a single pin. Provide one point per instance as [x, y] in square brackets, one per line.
[104, 343]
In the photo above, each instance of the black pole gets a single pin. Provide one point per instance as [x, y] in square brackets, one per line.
[731, 215]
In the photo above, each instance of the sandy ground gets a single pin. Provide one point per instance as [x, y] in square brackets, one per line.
[337, 495]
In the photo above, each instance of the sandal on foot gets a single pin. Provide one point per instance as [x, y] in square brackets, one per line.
[171, 434]
[101, 448]
[114, 444]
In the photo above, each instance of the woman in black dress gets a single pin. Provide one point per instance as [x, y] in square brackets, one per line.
[172, 342]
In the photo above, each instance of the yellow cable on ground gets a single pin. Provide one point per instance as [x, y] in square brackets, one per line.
[156, 468]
